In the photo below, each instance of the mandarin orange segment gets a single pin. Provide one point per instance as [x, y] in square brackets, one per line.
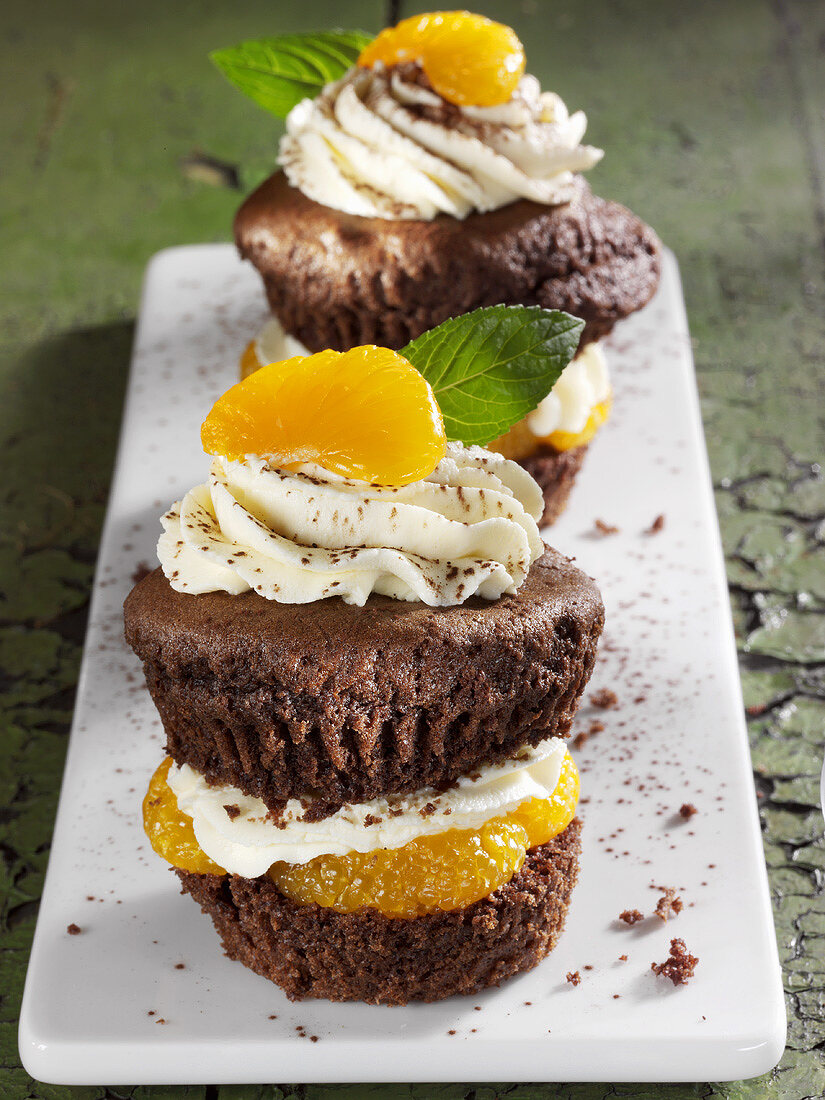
[366, 413]
[469, 59]
[446, 871]
[170, 832]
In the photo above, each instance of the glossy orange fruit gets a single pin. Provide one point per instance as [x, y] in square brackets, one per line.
[170, 832]
[469, 59]
[366, 413]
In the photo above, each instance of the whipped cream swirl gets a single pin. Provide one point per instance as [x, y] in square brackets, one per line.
[245, 840]
[296, 536]
[381, 143]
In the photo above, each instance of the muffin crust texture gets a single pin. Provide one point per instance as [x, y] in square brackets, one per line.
[338, 280]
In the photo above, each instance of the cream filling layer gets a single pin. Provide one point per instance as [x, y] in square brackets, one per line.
[585, 381]
[246, 841]
[297, 536]
[377, 144]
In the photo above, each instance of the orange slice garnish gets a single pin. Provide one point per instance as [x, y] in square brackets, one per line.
[366, 413]
[469, 59]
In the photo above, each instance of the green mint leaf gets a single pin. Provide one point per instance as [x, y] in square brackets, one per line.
[491, 367]
[279, 72]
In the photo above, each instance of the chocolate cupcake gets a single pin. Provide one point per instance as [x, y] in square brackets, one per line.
[410, 195]
[365, 684]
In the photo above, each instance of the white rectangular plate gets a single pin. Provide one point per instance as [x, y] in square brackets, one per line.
[144, 993]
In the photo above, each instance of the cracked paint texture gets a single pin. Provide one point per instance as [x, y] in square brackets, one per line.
[120, 140]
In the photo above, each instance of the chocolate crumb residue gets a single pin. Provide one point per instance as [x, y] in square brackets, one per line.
[313, 1038]
[273, 1017]
[631, 916]
[679, 966]
[687, 810]
[668, 905]
[655, 527]
[180, 966]
[232, 811]
[574, 977]
[372, 819]
[583, 737]
[74, 929]
[451, 1031]
[604, 698]
[622, 958]
[605, 528]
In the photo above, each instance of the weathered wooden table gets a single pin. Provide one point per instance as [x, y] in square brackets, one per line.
[711, 115]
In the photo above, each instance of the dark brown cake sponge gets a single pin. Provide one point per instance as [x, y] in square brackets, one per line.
[350, 703]
[338, 280]
[310, 951]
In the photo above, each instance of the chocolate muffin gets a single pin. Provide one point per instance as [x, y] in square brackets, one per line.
[365, 682]
[349, 703]
[338, 280]
[414, 191]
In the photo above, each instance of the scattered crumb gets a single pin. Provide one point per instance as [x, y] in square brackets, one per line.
[574, 977]
[160, 1020]
[605, 528]
[631, 916]
[687, 810]
[477, 1008]
[151, 1012]
[451, 1031]
[668, 905]
[273, 1017]
[622, 958]
[73, 929]
[604, 698]
[657, 525]
[587, 967]
[232, 811]
[581, 738]
[180, 966]
[616, 996]
[679, 966]
[313, 1038]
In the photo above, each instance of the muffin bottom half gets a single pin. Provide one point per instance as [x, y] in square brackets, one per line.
[313, 951]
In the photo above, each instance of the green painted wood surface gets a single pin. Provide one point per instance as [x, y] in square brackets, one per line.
[711, 115]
